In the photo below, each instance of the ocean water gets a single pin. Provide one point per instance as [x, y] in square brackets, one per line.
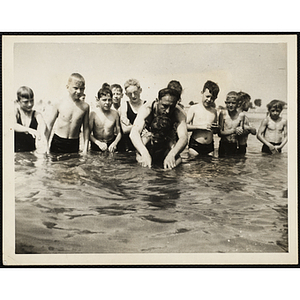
[107, 203]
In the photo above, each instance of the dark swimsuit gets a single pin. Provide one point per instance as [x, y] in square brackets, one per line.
[202, 149]
[62, 145]
[125, 143]
[94, 147]
[266, 149]
[25, 141]
[227, 149]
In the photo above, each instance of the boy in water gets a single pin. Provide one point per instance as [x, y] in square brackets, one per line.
[243, 105]
[30, 126]
[117, 95]
[104, 123]
[202, 121]
[273, 129]
[229, 121]
[176, 85]
[159, 110]
[69, 115]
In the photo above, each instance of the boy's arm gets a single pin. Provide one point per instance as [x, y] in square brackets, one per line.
[86, 129]
[189, 119]
[52, 119]
[135, 135]
[170, 162]
[42, 130]
[248, 128]
[114, 144]
[124, 121]
[284, 133]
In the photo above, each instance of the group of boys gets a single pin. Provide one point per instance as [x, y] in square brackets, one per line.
[159, 131]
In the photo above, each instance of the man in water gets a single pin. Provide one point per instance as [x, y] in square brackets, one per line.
[164, 106]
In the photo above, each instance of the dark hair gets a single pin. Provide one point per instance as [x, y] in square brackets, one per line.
[25, 92]
[175, 85]
[242, 98]
[104, 90]
[277, 104]
[168, 91]
[213, 89]
[116, 86]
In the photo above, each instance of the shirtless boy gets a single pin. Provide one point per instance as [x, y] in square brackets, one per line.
[104, 123]
[245, 128]
[273, 129]
[229, 121]
[69, 115]
[164, 106]
[202, 121]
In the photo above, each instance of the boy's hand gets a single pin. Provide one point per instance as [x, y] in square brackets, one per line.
[239, 130]
[101, 145]
[272, 149]
[112, 147]
[33, 132]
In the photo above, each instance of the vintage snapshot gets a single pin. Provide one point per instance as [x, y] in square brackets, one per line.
[150, 149]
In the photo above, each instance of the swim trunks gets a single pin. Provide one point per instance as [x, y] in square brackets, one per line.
[94, 147]
[25, 141]
[266, 149]
[227, 149]
[242, 149]
[202, 149]
[62, 145]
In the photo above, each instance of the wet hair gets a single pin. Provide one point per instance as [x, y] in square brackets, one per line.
[105, 89]
[130, 82]
[76, 76]
[213, 89]
[276, 104]
[25, 92]
[232, 94]
[168, 91]
[116, 86]
[242, 98]
[174, 84]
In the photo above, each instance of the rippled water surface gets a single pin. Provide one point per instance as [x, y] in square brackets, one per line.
[109, 204]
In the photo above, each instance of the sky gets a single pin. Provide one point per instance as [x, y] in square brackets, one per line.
[259, 69]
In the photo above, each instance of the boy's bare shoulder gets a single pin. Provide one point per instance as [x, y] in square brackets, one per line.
[114, 113]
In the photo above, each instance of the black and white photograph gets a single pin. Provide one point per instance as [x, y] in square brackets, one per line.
[150, 149]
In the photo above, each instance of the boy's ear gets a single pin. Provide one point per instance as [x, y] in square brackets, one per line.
[141, 89]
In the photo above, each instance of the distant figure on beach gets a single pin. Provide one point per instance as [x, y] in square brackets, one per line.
[128, 112]
[166, 130]
[273, 129]
[104, 122]
[176, 85]
[30, 127]
[117, 95]
[245, 128]
[69, 115]
[202, 121]
[229, 121]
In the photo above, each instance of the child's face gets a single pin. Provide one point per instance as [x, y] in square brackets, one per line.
[275, 112]
[133, 93]
[104, 102]
[76, 88]
[26, 104]
[231, 103]
[207, 98]
[117, 95]
[246, 106]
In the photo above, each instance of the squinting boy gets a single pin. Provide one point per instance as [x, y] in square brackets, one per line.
[202, 121]
[104, 123]
[69, 115]
[273, 129]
